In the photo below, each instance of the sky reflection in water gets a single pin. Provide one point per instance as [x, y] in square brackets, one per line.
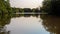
[26, 25]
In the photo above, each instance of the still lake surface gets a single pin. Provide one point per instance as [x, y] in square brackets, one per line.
[27, 24]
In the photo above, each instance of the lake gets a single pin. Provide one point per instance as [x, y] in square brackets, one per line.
[28, 24]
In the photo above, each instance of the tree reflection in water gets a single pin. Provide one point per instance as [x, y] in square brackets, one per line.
[5, 20]
[51, 23]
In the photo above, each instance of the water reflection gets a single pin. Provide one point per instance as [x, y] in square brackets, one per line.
[26, 24]
[22, 24]
[51, 23]
[4, 20]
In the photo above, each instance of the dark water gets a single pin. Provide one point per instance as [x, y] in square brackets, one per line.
[29, 24]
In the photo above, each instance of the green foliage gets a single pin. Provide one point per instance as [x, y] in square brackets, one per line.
[46, 6]
[4, 6]
[51, 7]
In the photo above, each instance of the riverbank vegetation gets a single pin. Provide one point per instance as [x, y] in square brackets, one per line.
[51, 7]
[48, 6]
[6, 8]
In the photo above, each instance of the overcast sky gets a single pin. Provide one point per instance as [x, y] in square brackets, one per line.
[26, 3]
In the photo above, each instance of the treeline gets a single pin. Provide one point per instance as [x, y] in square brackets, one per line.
[6, 8]
[22, 10]
[49, 6]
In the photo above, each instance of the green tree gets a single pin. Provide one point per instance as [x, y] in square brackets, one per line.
[46, 6]
[4, 6]
[51, 7]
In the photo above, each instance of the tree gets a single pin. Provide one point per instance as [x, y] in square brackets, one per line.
[51, 7]
[4, 6]
[46, 6]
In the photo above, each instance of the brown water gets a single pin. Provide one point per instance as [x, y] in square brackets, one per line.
[28, 24]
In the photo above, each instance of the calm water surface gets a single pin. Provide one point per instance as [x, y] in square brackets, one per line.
[29, 24]
[26, 25]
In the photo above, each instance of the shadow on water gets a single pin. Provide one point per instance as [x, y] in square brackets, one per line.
[51, 23]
